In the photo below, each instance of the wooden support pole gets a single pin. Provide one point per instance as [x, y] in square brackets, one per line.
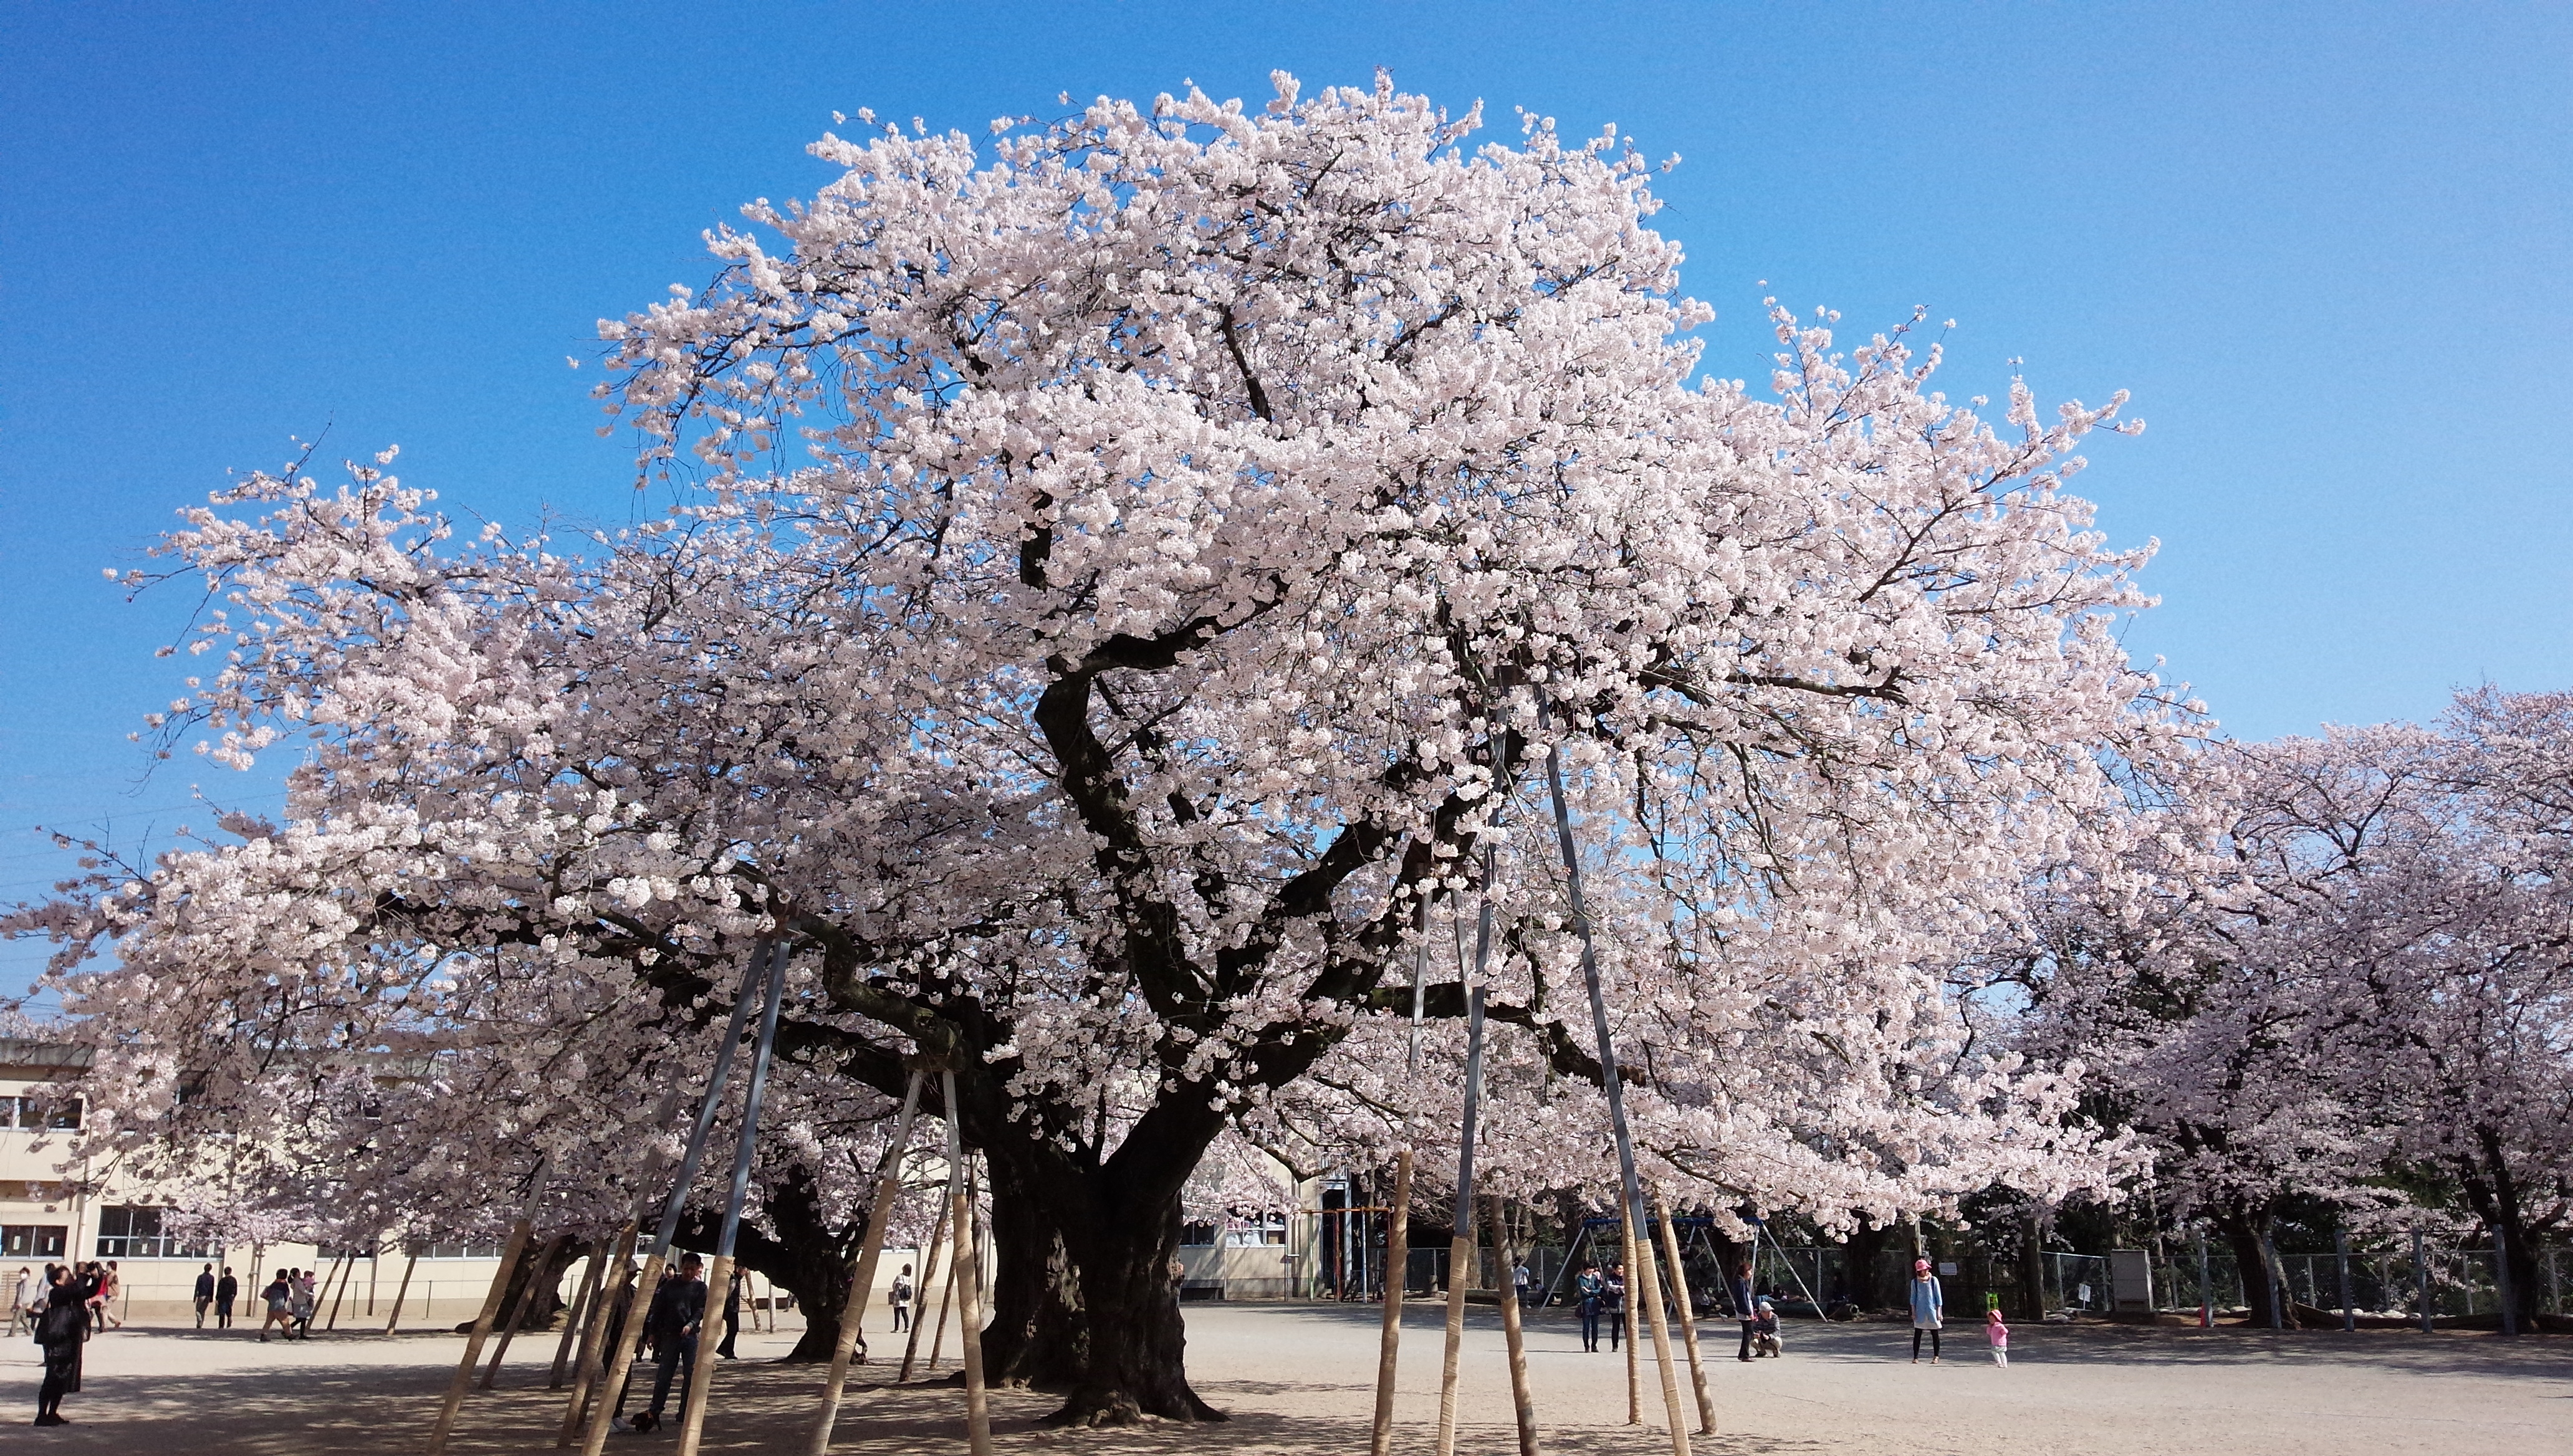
[375, 1266]
[401, 1291]
[692, 1417]
[969, 1309]
[335, 1283]
[510, 1253]
[1628, 1327]
[1688, 1316]
[621, 1359]
[1460, 1247]
[701, 1370]
[518, 1307]
[616, 1292]
[1398, 1230]
[928, 1268]
[1398, 1266]
[576, 1319]
[853, 1313]
[945, 1299]
[1651, 1291]
[1522, 1401]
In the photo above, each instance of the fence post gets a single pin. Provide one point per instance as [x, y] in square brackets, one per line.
[2501, 1282]
[2270, 1280]
[2420, 1281]
[2340, 1252]
[2205, 1292]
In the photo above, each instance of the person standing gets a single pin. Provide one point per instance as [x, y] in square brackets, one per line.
[1998, 1334]
[1929, 1309]
[676, 1319]
[1739, 1288]
[204, 1293]
[111, 1284]
[59, 1332]
[1612, 1300]
[1590, 1295]
[1520, 1282]
[731, 1318]
[901, 1296]
[304, 1302]
[227, 1292]
[22, 1301]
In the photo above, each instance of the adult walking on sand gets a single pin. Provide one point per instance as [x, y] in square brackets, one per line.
[204, 1293]
[59, 1333]
[22, 1301]
[227, 1294]
[1929, 1309]
[902, 1301]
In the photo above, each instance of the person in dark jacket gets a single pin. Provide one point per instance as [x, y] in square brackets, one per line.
[59, 1332]
[204, 1293]
[227, 1293]
[677, 1316]
[732, 1316]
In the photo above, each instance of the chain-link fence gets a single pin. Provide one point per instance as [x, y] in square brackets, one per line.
[2386, 1280]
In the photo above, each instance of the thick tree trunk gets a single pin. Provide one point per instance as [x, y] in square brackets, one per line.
[541, 1311]
[2031, 1266]
[1037, 1338]
[1129, 1301]
[1865, 1283]
[2494, 1196]
[805, 1255]
[2259, 1278]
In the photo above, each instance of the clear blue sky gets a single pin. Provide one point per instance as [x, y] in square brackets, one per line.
[2328, 247]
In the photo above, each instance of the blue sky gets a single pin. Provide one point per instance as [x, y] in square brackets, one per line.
[2328, 247]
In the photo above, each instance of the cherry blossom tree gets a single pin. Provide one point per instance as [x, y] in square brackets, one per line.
[1132, 578]
[2334, 972]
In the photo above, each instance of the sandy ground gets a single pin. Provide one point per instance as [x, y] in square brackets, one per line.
[1297, 1380]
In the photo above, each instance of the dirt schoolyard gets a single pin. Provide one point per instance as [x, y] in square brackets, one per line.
[1297, 1379]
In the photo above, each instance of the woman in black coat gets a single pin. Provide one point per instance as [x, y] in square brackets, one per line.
[59, 1332]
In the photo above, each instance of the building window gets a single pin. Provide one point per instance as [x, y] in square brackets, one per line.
[34, 1112]
[460, 1250]
[135, 1233]
[32, 1240]
[1196, 1235]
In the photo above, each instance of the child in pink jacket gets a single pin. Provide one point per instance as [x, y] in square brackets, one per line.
[1998, 1334]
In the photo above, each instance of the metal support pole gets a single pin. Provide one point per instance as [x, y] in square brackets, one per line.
[622, 1360]
[692, 1417]
[1630, 1185]
[854, 1312]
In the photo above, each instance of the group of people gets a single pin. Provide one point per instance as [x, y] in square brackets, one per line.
[71, 1303]
[217, 1295]
[292, 1297]
[1601, 1295]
